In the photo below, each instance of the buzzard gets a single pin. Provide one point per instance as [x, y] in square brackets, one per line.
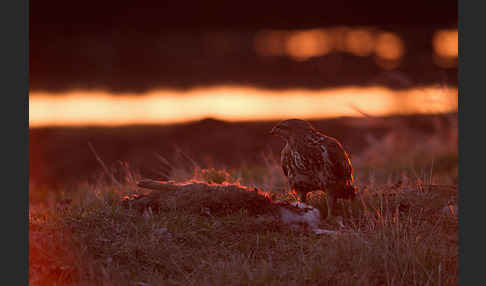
[313, 161]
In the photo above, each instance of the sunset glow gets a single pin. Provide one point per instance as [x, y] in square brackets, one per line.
[389, 46]
[302, 45]
[306, 44]
[360, 42]
[446, 43]
[232, 103]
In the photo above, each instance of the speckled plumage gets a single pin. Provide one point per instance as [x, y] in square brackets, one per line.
[314, 161]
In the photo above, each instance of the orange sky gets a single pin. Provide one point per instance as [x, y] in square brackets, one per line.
[232, 103]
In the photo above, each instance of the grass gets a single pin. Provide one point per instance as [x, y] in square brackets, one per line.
[398, 236]
[396, 232]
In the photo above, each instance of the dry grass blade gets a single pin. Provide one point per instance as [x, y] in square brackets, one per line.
[107, 171]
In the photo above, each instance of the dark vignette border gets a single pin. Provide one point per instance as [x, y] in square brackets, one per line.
[15, 91]
[471, 143]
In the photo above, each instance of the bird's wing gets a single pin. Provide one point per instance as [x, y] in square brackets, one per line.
[300, 162]
[285, 159]
[307, 159]
[341, 165]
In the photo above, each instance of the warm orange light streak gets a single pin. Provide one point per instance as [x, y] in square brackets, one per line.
[302, 45]
[360, 42]
[389, 46]
[231, 103]
[338, 34]
[446, 43]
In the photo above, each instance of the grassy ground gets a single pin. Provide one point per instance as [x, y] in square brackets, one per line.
[397, 231]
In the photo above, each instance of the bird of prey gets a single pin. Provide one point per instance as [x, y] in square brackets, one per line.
[314, 161]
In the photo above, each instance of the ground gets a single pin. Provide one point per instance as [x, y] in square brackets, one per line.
[399, 230]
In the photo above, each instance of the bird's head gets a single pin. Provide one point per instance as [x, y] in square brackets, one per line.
[291, 128]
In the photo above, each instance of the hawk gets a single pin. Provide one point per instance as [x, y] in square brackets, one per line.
[313, 161]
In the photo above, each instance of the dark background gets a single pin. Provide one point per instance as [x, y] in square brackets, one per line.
[137, 46]
[104, 16]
